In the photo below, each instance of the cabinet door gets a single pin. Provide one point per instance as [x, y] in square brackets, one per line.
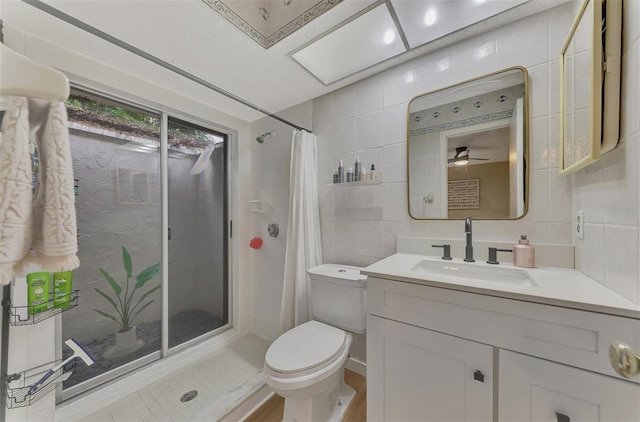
[414, 374]
[533, 389]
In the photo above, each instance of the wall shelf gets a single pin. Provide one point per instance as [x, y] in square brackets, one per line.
[24, 315]
[352, 184]
[16, 387]
[258, 205]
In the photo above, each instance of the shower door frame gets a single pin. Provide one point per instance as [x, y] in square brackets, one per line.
[164, 112]
[165, 350]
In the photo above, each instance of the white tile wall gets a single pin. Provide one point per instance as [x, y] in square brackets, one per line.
[539, 135]
[269, 181]
[475, 56]
[529, 46]
[394, 124]
[394, 163]
[533, 43]
[344, 103]
[369, 130]
[31, 346]
[369, 95]
[607, 191]
[344, 136]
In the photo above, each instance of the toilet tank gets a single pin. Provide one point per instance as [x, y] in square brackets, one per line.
[339, 296]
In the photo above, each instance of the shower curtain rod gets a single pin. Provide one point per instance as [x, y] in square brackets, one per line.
[38, 4]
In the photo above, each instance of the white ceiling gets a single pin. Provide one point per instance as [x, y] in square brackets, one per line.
[190, 35]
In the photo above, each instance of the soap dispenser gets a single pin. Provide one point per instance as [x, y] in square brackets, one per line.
[524, 254]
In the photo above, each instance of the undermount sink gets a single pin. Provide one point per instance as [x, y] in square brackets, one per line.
[475, 272]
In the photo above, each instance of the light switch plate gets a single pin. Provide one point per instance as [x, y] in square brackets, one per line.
[579, 224]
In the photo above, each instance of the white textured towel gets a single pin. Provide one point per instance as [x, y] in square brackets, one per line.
[40, 229]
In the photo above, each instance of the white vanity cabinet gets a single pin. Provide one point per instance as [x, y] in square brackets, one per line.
[538, 362]
[533, 389]
[422, 375]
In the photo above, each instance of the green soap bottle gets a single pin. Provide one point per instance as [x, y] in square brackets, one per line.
[37, 292]
[62, 289]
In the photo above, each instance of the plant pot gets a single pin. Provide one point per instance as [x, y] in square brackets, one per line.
[126, 340]
[126, 344]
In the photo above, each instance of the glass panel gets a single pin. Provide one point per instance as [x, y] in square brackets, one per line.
[198, 296]
[116, 160]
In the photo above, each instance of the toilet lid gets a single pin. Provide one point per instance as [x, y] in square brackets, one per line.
[304, 347]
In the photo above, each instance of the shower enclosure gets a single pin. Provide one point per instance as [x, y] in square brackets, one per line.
[197, 228]
[135, 307]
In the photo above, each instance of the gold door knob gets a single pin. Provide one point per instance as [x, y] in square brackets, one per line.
[624, 360]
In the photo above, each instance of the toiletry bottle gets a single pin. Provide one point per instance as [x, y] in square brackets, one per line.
[341, 172]
[373, 173]
[350, 174]
[335, 176]
[357, 169]
[524, 254]
[363, 175]
[38, 292]
[62, 289]
[19, 298]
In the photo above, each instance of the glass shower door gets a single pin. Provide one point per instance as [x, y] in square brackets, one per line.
[116, 163]
[197, 197]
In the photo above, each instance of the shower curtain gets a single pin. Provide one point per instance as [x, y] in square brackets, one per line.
[304, 249]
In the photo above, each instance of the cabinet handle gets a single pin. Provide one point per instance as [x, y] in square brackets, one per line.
[478, 376]
[562, 418]
[624, 359]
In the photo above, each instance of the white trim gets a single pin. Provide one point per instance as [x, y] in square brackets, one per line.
[164, 189]
[444, 177]
[520, 147]
[356, 366]
[252, 403]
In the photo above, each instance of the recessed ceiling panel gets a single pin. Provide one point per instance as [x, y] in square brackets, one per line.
[424, 21]
[269, 21]
[363, 42]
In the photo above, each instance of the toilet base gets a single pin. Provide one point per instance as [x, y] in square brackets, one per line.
[344, 401]
[329, 407]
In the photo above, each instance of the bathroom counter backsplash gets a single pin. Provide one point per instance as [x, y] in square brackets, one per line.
[554, 286]
[546, 255]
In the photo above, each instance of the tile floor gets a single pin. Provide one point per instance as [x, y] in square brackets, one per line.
[222, 379]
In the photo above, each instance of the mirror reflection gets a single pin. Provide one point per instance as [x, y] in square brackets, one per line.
[467, 149]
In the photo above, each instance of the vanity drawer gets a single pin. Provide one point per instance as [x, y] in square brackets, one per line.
[569, 336]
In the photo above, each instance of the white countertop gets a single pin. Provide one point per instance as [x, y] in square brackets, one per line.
[553, 286]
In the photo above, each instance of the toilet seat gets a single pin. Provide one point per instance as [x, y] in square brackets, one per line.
[305, 349]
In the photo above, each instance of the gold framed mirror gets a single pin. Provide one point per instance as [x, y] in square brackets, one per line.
[467, 149]
[590, 84]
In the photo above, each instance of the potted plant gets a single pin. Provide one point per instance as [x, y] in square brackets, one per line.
[123, 302]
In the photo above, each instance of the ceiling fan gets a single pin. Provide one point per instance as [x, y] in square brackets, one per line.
[461, 157]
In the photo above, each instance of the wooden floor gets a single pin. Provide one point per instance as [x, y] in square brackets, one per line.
[273, 409]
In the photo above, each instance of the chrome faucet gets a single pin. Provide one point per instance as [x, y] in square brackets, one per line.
[468, 250]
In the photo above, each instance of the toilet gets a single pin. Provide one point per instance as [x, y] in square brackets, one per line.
[305, 365]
